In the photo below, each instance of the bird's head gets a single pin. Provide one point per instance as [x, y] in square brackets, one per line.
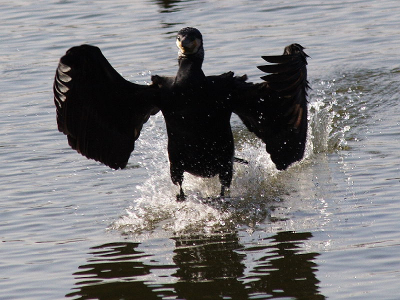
[189, 41]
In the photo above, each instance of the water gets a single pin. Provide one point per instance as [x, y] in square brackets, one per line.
[326, 228]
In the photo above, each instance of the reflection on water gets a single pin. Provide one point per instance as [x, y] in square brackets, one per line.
[111, 274]
[285, 271]
[202, 267]
[168, 5]
[209, 267]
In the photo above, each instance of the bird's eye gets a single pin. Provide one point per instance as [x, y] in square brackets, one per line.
[178, 38]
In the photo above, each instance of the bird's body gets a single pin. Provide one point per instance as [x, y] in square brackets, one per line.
[104, 124]
[200, 139]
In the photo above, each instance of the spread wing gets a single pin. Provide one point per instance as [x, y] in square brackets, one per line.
[276, 109]
[100, 112]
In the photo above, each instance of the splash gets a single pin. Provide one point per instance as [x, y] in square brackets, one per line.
[257, 188]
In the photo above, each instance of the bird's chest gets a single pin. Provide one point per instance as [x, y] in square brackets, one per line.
[194, 108]
[196, 121]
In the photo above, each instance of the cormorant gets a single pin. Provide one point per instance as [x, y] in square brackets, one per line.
[102, 114]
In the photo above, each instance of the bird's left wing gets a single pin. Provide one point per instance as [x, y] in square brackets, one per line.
[276, 109]
[101, 113]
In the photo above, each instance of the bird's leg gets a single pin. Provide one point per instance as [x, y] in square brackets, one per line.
[222, 195]
[177, 178]
[181, 196]
[224, 191]
[226, 178]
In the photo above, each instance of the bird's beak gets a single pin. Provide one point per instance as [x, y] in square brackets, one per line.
[188, 47]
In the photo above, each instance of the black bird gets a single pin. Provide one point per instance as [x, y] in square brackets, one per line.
[102, 114]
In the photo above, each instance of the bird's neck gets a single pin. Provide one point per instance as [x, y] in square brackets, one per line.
[190, 71]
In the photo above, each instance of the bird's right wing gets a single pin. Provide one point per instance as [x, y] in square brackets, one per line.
[101, 113]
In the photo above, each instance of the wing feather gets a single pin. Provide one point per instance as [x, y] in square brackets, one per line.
[276, 110]
[101, 113]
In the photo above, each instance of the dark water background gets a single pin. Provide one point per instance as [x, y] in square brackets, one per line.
[326, 228]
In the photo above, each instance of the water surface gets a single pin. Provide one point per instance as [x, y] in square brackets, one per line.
[325, 228]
